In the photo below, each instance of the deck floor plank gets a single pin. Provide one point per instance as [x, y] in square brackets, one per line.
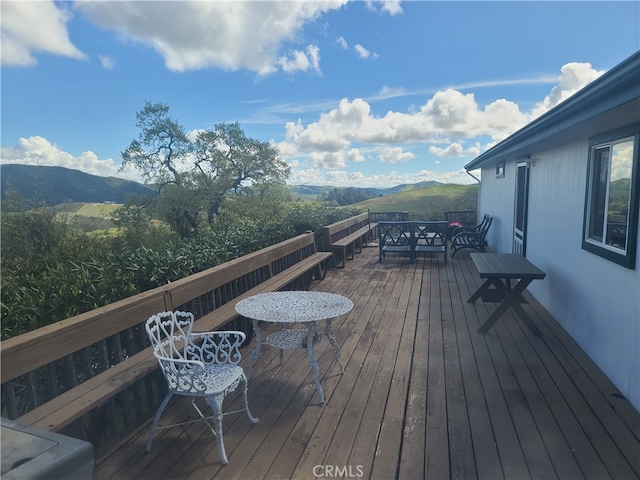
[424, 395]
[486, 456]
[414, 433]
[363, 452]
[463, 462]
[335, 438]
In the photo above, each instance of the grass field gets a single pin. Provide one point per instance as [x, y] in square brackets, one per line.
[427, 203]
[94, 210]
[100, 210]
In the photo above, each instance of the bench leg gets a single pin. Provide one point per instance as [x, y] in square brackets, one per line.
[339, 261]
[352, 250]
[319, 272]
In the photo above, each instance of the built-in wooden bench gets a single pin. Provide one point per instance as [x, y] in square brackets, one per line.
[105, 351]
[343, 238]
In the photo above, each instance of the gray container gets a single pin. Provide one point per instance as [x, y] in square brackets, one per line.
[30, 453]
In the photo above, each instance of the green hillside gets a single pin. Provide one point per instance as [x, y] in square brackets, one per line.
[45, 185]
[426, 203]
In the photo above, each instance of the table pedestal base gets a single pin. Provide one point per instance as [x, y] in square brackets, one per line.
[294, 339]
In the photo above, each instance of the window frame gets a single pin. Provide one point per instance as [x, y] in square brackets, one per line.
[626, 258]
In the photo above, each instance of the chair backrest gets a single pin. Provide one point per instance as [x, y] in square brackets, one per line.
[184, 355]
[170, 334]
[487, 224]
[430, 233]
[395, 233]
[172, 339]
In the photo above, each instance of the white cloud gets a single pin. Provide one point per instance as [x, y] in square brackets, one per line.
[361, 51]
[450, 123]
[364, 53]
[301, 61]
[391, 154]
[452, 151]
[449, 117]
[392, 7]
[573, 77]
[622, 161]
[29, 28]
[225, 35]
[446, 114]
[107, 62]
[327, 159]
[342, 178]
[40, 151]
[455, 150]
[354, 155]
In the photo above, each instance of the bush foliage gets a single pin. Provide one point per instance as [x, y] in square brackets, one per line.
[52, 271]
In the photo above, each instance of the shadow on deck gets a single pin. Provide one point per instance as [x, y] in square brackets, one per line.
[423, 396]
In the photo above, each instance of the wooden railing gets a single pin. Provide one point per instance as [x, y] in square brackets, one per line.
[464, 217]
[93, 376]
[402, 216]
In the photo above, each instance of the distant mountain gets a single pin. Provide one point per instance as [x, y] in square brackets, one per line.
[309, 191]
[315, 191]
[56, 185]
[408, 186]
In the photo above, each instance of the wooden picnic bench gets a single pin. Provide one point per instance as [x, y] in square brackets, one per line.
[346, 236]
[498, 270]
[84, 362]
[412, 238]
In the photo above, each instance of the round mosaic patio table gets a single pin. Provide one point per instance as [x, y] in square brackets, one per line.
[290, 307]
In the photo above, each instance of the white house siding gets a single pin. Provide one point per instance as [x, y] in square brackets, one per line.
[492, 195]
[596, 301]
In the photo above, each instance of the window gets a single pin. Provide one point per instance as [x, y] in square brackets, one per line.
[611, 207]
[500, 169]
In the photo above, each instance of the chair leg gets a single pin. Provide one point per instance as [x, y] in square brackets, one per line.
[156, 418]
[216, 403]
[246, 401]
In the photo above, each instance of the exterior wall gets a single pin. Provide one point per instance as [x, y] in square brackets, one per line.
[496, 198]
[595, 300]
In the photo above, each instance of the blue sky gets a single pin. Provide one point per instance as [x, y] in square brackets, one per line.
[353, 93]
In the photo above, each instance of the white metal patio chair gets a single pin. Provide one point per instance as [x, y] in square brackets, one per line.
[197, 364]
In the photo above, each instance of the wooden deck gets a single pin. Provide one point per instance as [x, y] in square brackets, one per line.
[423, 396]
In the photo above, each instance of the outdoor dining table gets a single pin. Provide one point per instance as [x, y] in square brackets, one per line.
[498, 270]
[290, 307]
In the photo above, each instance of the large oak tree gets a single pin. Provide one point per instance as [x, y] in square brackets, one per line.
[194, 178]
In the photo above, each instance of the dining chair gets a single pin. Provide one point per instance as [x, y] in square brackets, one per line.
[197, 364]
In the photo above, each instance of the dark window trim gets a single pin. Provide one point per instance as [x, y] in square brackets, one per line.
[627, 259]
